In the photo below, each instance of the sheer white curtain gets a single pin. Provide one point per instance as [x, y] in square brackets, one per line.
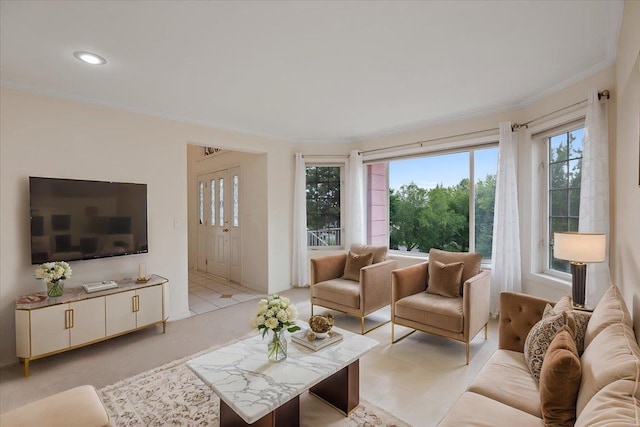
[505, 255]
[299, 264]
[354, 224]
[594, 192]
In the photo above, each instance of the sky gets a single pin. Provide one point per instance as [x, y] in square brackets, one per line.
[447, 169]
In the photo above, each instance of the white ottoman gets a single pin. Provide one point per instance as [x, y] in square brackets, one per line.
[76, 407]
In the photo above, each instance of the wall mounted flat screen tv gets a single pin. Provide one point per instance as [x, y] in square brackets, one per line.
[76, 219]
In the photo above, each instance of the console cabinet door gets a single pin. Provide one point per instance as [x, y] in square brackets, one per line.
[88, 321]
[150, 306]
[49, 329]
[120, 313]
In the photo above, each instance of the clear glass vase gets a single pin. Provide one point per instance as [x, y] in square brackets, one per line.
[277, 347]
[55, 289]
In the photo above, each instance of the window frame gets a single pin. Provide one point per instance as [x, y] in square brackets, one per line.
[342, 167]
[466, 146]
[541, 141]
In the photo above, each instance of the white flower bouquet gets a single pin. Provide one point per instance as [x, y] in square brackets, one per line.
[53, 271]
[276, 314]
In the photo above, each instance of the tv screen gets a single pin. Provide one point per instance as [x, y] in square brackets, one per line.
[75, 219]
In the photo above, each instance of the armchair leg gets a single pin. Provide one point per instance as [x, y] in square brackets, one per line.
[361, 325]
[312, 309]
[485, 330]
[393, 335]
[467, 345]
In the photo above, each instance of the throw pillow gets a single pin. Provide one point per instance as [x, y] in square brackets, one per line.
[581, 320]
[472, 262]
[560, 379]
[444, 279]
[541, 335]
[354, 263]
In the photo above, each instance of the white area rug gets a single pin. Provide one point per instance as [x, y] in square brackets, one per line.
[172, 395]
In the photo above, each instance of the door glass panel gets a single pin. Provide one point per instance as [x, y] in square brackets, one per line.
[201, 202]
[235, 200]
[221, 200]
[212, 201]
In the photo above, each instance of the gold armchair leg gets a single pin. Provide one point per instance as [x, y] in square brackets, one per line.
[361, 325]
[312, 309]
[467, 344]
[392, 333]
[485, 330]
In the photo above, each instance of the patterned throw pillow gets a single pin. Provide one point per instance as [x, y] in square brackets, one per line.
[354, 263]
[541, 335]
[444, 279]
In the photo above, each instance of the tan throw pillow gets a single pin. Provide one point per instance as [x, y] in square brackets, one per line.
[540, 337]
[581, 320]
[560, 378]
[444, 279]
[379, 252]
[354, 263]
[472, 262]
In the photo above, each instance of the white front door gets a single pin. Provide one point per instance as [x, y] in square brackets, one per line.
[219, 224]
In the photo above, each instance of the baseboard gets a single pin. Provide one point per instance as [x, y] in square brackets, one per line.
[179, 316]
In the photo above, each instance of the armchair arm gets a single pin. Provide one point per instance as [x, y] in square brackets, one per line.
[375, 285]
[327, 268]
[518, 313]
[476, 293]
[408, 281]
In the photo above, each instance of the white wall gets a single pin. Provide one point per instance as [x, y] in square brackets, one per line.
[625, 253]
[44, 136]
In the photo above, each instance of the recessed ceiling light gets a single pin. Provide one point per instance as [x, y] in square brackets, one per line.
[90, 58]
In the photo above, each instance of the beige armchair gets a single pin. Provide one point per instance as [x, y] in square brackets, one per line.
[358, 293]
[447, 296]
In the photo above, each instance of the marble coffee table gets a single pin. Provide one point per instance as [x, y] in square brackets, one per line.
[254, 391]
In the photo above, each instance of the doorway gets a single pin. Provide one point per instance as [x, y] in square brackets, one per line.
[219, 225]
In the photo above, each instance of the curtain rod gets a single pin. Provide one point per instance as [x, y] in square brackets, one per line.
[516, 126]
[421, 143]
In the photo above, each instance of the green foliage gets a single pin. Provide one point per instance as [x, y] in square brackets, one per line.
[439, 217]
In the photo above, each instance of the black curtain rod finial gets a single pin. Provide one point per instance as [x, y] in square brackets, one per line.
[604, 94]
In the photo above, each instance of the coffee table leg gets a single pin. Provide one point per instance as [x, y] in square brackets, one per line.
[342, 389]
[287, 415]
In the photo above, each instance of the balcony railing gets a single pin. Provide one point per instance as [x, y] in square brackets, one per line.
[324, 237]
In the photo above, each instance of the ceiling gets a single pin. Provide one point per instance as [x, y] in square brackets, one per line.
[307, 71]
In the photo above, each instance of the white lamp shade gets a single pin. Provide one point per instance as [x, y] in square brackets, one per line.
[579, 247]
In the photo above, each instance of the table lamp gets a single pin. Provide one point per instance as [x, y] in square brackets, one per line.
[579, 248]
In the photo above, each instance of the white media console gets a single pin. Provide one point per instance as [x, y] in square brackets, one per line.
[46, 326]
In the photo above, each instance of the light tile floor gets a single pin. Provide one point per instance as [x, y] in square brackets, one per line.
[208, 293]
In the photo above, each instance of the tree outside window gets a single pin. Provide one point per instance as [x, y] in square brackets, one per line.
[323, 205]
[565, 175]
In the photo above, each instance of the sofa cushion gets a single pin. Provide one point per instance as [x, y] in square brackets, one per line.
[559, 380]
[354, 263]
[611, 309]
[601, 411]
[346, 292]
[472, 261]
[434, 310]
[473, 409]
[379, 252]
[506, 378]
[76, 407]
[540, 337]
[612, 355]
[445, 279]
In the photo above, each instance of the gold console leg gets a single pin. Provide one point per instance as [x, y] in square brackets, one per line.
[25, 366]
[485, 330]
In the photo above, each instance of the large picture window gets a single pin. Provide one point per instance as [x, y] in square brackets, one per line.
[323, 194]
[564, 177]
[443, 201]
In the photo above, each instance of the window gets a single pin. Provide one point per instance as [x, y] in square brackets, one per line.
[442, 201]
[212, 201]
[236, 196]
[323, 194]
[201, 202]
[564, 157]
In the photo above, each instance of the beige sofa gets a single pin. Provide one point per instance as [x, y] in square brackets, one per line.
[504, 393]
